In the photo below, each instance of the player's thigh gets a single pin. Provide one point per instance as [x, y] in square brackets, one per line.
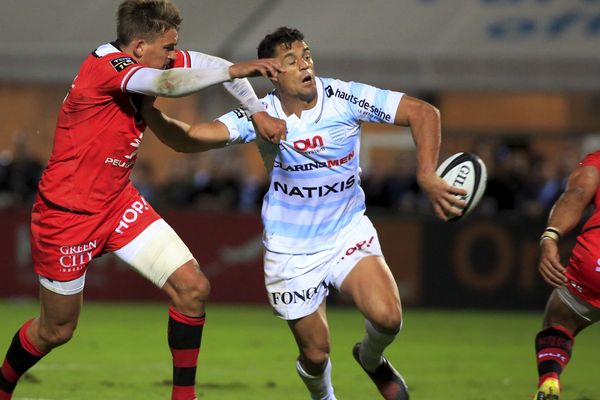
[58, 319]
[58, 309]
[566, 309]
[157, 252]
[373, 289]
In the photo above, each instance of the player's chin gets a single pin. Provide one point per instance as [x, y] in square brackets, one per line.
[308, 90]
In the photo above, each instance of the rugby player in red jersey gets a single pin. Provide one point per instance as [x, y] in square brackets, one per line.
[575, 302]
[86, 205]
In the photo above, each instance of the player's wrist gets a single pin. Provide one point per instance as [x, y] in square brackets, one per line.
[253, 106]
[550, 233]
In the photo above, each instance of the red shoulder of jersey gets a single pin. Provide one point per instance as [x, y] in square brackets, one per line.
[109, 68]
[182, 60]
[591, 160]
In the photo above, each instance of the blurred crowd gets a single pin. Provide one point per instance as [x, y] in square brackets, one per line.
[519, 181]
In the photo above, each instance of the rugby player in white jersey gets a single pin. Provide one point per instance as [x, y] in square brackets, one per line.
[316, 235]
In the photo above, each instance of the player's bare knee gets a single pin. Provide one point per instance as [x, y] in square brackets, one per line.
[315, 357]
[199, 290]
[56, 335]
[190, 297]
[389, 319]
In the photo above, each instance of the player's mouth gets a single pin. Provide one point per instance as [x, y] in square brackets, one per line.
[307, 79]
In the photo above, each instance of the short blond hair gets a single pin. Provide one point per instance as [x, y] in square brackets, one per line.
[145, 19]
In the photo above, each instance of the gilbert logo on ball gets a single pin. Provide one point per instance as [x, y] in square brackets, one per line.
[466, 171]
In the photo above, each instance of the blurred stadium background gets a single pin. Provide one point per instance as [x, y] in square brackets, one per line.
[517, 82]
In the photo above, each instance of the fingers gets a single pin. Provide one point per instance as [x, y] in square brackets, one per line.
[455, 201]
[439, 212]
[551, 269]
[278, 136]
[273, 68]
[267, 67]
[451, 209]
[552, 276]
[457, 191]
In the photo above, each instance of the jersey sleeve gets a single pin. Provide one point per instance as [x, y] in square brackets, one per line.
[370, 104]
[239, 125]
[201, 60]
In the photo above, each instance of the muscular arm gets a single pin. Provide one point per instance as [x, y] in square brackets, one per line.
[564, 216]
[580, 191]
[209, 70]
[175, 82]
[238, 88]
[424, 121]
[182, 137]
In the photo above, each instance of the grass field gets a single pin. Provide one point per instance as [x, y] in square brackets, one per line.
[119, 352]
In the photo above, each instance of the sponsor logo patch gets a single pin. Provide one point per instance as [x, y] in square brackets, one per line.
[119, 64]
[75, 258]
[364, 106]
[297, 296]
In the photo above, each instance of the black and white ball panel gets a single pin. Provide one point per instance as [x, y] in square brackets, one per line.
[466, 171]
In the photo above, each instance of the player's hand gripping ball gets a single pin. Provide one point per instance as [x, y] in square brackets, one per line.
[466, 171]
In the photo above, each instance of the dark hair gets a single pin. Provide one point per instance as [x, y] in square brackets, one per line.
[283, 35]
[145, 19]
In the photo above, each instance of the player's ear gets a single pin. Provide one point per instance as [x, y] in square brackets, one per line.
[139, 45]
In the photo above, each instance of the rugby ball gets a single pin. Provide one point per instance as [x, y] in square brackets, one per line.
[466, 171]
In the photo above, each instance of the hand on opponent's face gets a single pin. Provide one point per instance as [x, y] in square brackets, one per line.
[266, 67]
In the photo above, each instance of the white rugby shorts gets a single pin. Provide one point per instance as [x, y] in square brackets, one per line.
[298, 283]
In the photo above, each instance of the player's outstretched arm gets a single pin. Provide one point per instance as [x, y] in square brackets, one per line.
[424, 122]
[266, 127]
[178, 82]
[183, 137]
[564, 216]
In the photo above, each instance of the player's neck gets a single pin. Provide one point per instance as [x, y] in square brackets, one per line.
[295, 105]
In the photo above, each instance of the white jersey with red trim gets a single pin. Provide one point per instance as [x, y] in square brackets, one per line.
[98, 133]
[315, 192]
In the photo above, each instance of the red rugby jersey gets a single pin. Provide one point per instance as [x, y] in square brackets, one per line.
[593, 160]
[98, 133]
[584, 264]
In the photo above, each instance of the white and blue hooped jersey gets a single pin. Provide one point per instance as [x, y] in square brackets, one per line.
[315, 193]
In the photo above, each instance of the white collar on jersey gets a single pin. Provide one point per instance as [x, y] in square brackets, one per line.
[312, 115]
[105, 49]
